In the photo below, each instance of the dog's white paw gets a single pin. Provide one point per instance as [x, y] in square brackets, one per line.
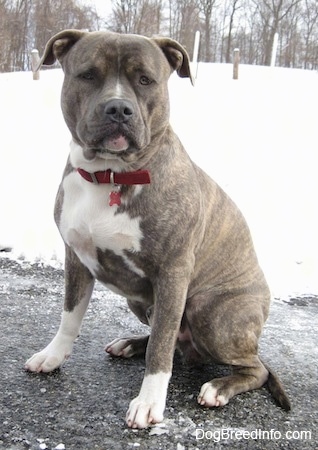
[50, 358]
[142, 413]
[209, 396]
[149, 406]
[120, 347]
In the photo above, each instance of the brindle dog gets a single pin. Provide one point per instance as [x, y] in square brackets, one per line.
[138, 215]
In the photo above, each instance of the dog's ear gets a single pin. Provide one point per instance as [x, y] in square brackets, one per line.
[59, 45]
[176, 55]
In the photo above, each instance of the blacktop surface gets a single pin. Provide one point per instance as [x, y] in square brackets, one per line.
[82, 406]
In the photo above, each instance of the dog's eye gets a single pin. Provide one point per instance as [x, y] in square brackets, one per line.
[145, 81]
[88, 75]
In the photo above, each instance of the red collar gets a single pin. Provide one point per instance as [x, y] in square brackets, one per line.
[107, 176]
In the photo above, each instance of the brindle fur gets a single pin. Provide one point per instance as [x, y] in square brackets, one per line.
[202, 276]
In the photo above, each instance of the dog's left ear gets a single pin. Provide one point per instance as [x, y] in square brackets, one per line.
[176, 55]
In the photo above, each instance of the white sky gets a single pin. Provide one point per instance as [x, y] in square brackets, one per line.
[103, 7]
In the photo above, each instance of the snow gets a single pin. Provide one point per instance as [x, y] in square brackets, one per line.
[255, 136]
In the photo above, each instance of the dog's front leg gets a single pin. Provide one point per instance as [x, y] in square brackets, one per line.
[79, 284]
[148, 407]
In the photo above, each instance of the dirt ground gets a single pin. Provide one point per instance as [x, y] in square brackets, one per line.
[82, 405]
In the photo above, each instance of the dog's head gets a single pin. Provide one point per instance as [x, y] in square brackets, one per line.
[114, 98]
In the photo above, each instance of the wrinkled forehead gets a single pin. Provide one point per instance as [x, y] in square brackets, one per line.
[115, 52]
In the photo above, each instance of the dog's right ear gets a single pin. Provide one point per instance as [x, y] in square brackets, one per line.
[57, 47]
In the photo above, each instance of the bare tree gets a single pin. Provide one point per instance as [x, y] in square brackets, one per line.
[149, 17]
[136, 16]
[272, 12]
[206, 8]
[234, 6]
[29, 23]
[16, 34]
[51, 16]
[310, 19]
[189, 23]
[224, 24]
[290, 34]
[184, 21]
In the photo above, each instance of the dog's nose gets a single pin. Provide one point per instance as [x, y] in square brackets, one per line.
[118, 110]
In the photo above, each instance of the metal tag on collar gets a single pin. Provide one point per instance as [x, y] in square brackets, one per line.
[115, 194]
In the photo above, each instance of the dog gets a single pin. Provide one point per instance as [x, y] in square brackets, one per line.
[138, 215]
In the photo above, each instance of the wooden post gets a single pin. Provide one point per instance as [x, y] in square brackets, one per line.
[236, 61]
[35, 59]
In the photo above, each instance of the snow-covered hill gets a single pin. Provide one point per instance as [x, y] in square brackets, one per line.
[257, 137]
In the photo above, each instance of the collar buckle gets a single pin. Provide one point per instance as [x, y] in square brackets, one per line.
[94, 179]
[111, 177]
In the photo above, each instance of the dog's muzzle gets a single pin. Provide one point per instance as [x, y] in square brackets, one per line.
[117, 110]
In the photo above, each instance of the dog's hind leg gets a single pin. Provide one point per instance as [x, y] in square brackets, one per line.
[226, 328]
[127, 347]
[219, 391]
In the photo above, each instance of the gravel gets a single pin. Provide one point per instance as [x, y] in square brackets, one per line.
[82, 406]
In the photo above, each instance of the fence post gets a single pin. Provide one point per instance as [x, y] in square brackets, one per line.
[236, 61]
[196, 52]
[274, 50]
[35, 59]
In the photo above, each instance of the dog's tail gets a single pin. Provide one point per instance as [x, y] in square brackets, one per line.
[275, 387]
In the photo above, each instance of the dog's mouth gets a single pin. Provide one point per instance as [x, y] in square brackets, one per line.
[115, 143]
[108, 140]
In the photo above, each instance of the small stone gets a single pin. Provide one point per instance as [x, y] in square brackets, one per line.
[42, 390]
[157, 431]
[160, 425]
[60, 447]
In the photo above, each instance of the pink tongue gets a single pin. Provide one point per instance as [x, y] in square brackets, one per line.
[119, 143]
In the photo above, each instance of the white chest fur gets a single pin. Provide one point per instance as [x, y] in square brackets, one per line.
[88, 222]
